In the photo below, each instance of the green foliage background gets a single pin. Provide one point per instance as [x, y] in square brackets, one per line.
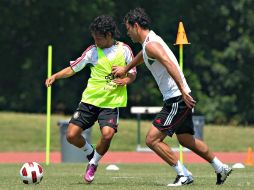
[218, 63]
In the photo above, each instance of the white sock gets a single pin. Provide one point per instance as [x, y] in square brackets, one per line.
[87, 148]
[217, 165]
[186, 171]
[96, 158]
[179, 168]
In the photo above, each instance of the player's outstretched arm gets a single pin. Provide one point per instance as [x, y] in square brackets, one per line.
[65, 73]
[121, 71]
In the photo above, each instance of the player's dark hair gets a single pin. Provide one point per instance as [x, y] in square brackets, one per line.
[103, 25]
[138, 15]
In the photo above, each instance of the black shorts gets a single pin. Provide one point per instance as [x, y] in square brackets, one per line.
[175, 117]
[86, 115]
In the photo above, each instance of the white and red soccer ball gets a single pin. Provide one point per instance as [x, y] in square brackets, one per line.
[31, 173]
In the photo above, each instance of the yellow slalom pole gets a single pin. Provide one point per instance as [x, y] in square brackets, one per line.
[180, 40]
[181, 56]
[181, 66]
[48, 106]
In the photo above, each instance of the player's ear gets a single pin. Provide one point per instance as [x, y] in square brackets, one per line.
[136, 25]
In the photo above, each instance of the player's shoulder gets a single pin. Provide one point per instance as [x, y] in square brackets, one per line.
[152, 38]
[90, 48]
[153, 41]
[89, 51]
[125, 46]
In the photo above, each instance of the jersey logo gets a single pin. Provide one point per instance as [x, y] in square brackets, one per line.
[109, 77]
[76, 115]
[111, 121]
[110, 85]
[150, 61]
[158, 121]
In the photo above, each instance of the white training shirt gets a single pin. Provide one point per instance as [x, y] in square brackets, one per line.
[166, 83]
[90, 56]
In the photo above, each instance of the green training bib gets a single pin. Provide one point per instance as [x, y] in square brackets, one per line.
[101, 91]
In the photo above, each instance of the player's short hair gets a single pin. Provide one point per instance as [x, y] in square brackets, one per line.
[103, 25]
[138, 15]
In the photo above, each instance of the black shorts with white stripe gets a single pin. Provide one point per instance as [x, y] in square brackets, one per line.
[175, 117]
[86, 115]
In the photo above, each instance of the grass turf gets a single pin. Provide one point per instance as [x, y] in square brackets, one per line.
[27, 132]
[130, 176]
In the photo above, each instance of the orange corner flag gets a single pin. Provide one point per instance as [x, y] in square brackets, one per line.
[181, 35]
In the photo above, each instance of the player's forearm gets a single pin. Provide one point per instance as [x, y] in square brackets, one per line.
[175, 74]
[137, 60]
[130, 78]
[65, 73]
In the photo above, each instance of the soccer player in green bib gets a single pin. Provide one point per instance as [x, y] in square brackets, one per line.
[103, 95]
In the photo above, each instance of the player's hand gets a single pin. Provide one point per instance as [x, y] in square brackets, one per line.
[189, 101]
[49, 81]
[118, 71]
[120, 81]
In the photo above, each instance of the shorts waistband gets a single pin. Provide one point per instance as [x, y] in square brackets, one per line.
[174, 99]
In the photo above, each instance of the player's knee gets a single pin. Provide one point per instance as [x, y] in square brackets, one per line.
[71, 137]
[107, 136]
[150, 142]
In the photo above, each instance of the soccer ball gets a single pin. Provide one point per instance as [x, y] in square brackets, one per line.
[31, 173]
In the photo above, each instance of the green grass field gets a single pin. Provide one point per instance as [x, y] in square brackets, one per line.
[130, 176]
[27, 132]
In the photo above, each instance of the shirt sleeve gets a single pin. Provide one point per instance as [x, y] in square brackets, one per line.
[83, 60]
[128, 57]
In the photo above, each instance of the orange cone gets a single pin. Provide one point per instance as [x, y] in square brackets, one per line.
[181, 35]
[249, 159]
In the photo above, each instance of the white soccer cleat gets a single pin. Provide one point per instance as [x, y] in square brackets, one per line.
[181, 180]
[222, 176]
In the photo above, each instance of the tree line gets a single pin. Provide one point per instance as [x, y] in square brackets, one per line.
[217, 64]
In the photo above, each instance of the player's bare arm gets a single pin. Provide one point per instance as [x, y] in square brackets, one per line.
[155, 50]
[125, 80]
[121, 71]
[65, 73]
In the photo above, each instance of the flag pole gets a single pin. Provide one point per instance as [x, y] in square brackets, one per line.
[181, 40]
[48, 106]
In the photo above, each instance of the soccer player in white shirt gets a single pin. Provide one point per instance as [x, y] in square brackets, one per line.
[176, 114]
